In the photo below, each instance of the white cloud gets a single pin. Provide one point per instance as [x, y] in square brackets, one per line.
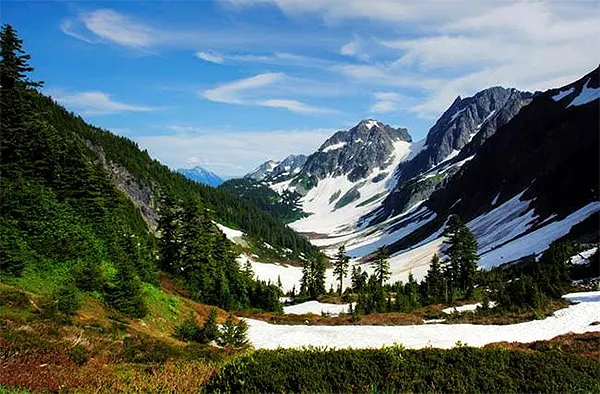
[248, 91]
[236, 92]
[230, 152]
[67, 26]
[386, 102]
[210, 57]
[294, 106]
[349, 49]
[112, 26]
[96, 103]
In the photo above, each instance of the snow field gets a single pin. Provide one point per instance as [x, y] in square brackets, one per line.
[328, 220]
[466, 308]
[233, 235]
[317, 308]
[576, 318]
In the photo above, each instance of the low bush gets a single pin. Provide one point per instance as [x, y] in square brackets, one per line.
[462, 369]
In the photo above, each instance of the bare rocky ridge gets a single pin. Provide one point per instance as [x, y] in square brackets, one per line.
[355, 152]
[139, 194]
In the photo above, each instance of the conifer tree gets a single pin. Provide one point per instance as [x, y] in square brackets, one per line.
[14, 64]
[340, 266]
[210, 330]
[434, 281]
[381, 266]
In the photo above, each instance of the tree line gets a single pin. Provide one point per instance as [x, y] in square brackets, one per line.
[452, 277]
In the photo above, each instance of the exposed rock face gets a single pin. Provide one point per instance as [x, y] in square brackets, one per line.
[356, 152]
[548, 152]
[291, 165]
[139, 194]
[262, 171]
[457, 135]
[474, 118]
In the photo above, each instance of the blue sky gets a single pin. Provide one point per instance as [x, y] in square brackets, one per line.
[229, 84]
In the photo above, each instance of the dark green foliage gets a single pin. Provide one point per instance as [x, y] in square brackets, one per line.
[461, 266]
[381, 265]
[194, 249]
[312, 283]
[283, 207]
[14, 66]
[78, 355]
[210, 330]
[188, 330]
[233, 335]
[434, 282]
[125, 293]
[359, 279]
[88, 276]
[462, 369]
[530, 283]
[66, 299]
[340, 266]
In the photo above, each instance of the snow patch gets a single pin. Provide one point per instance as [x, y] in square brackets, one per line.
[334, 147]
[231, 234]
[562, 94]
[317, 308]
[466, 308]
[587, 95]
[576, 318]
[537, 241]
[583, 257]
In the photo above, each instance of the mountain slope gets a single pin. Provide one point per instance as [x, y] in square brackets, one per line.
[270, 170]
[200, 175]
[283, 206]
[528, 184]
[453, 140]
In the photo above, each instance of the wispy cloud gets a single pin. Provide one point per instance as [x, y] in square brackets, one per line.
[113, 26]
[67, 26]
[464, 46]
[96, 103]
[230, 152]
[210, 57]
[248, 91]
[386, 102]
[294, 106]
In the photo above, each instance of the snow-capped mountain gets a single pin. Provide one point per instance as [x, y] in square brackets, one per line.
[347, 176]
[201, 175]
[269, 170]
[452, 141]
[532, 182]
[520, 169]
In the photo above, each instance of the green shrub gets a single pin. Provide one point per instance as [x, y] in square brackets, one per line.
[210, 330]
[66, 299]
[233, 335]
[188, 330]
[394, 369]
[147, 350]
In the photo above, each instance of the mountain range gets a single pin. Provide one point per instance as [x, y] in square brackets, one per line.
[502, 159]
[201, 175]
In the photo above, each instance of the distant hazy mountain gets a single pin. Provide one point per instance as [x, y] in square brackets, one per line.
[200, 175]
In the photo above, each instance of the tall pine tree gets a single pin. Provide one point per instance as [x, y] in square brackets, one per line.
[340, 266]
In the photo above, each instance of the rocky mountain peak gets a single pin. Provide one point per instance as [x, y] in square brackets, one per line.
[357, 151]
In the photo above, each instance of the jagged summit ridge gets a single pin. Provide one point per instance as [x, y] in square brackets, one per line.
[356, 152]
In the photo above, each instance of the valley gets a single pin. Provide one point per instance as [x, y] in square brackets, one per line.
[465, 260]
